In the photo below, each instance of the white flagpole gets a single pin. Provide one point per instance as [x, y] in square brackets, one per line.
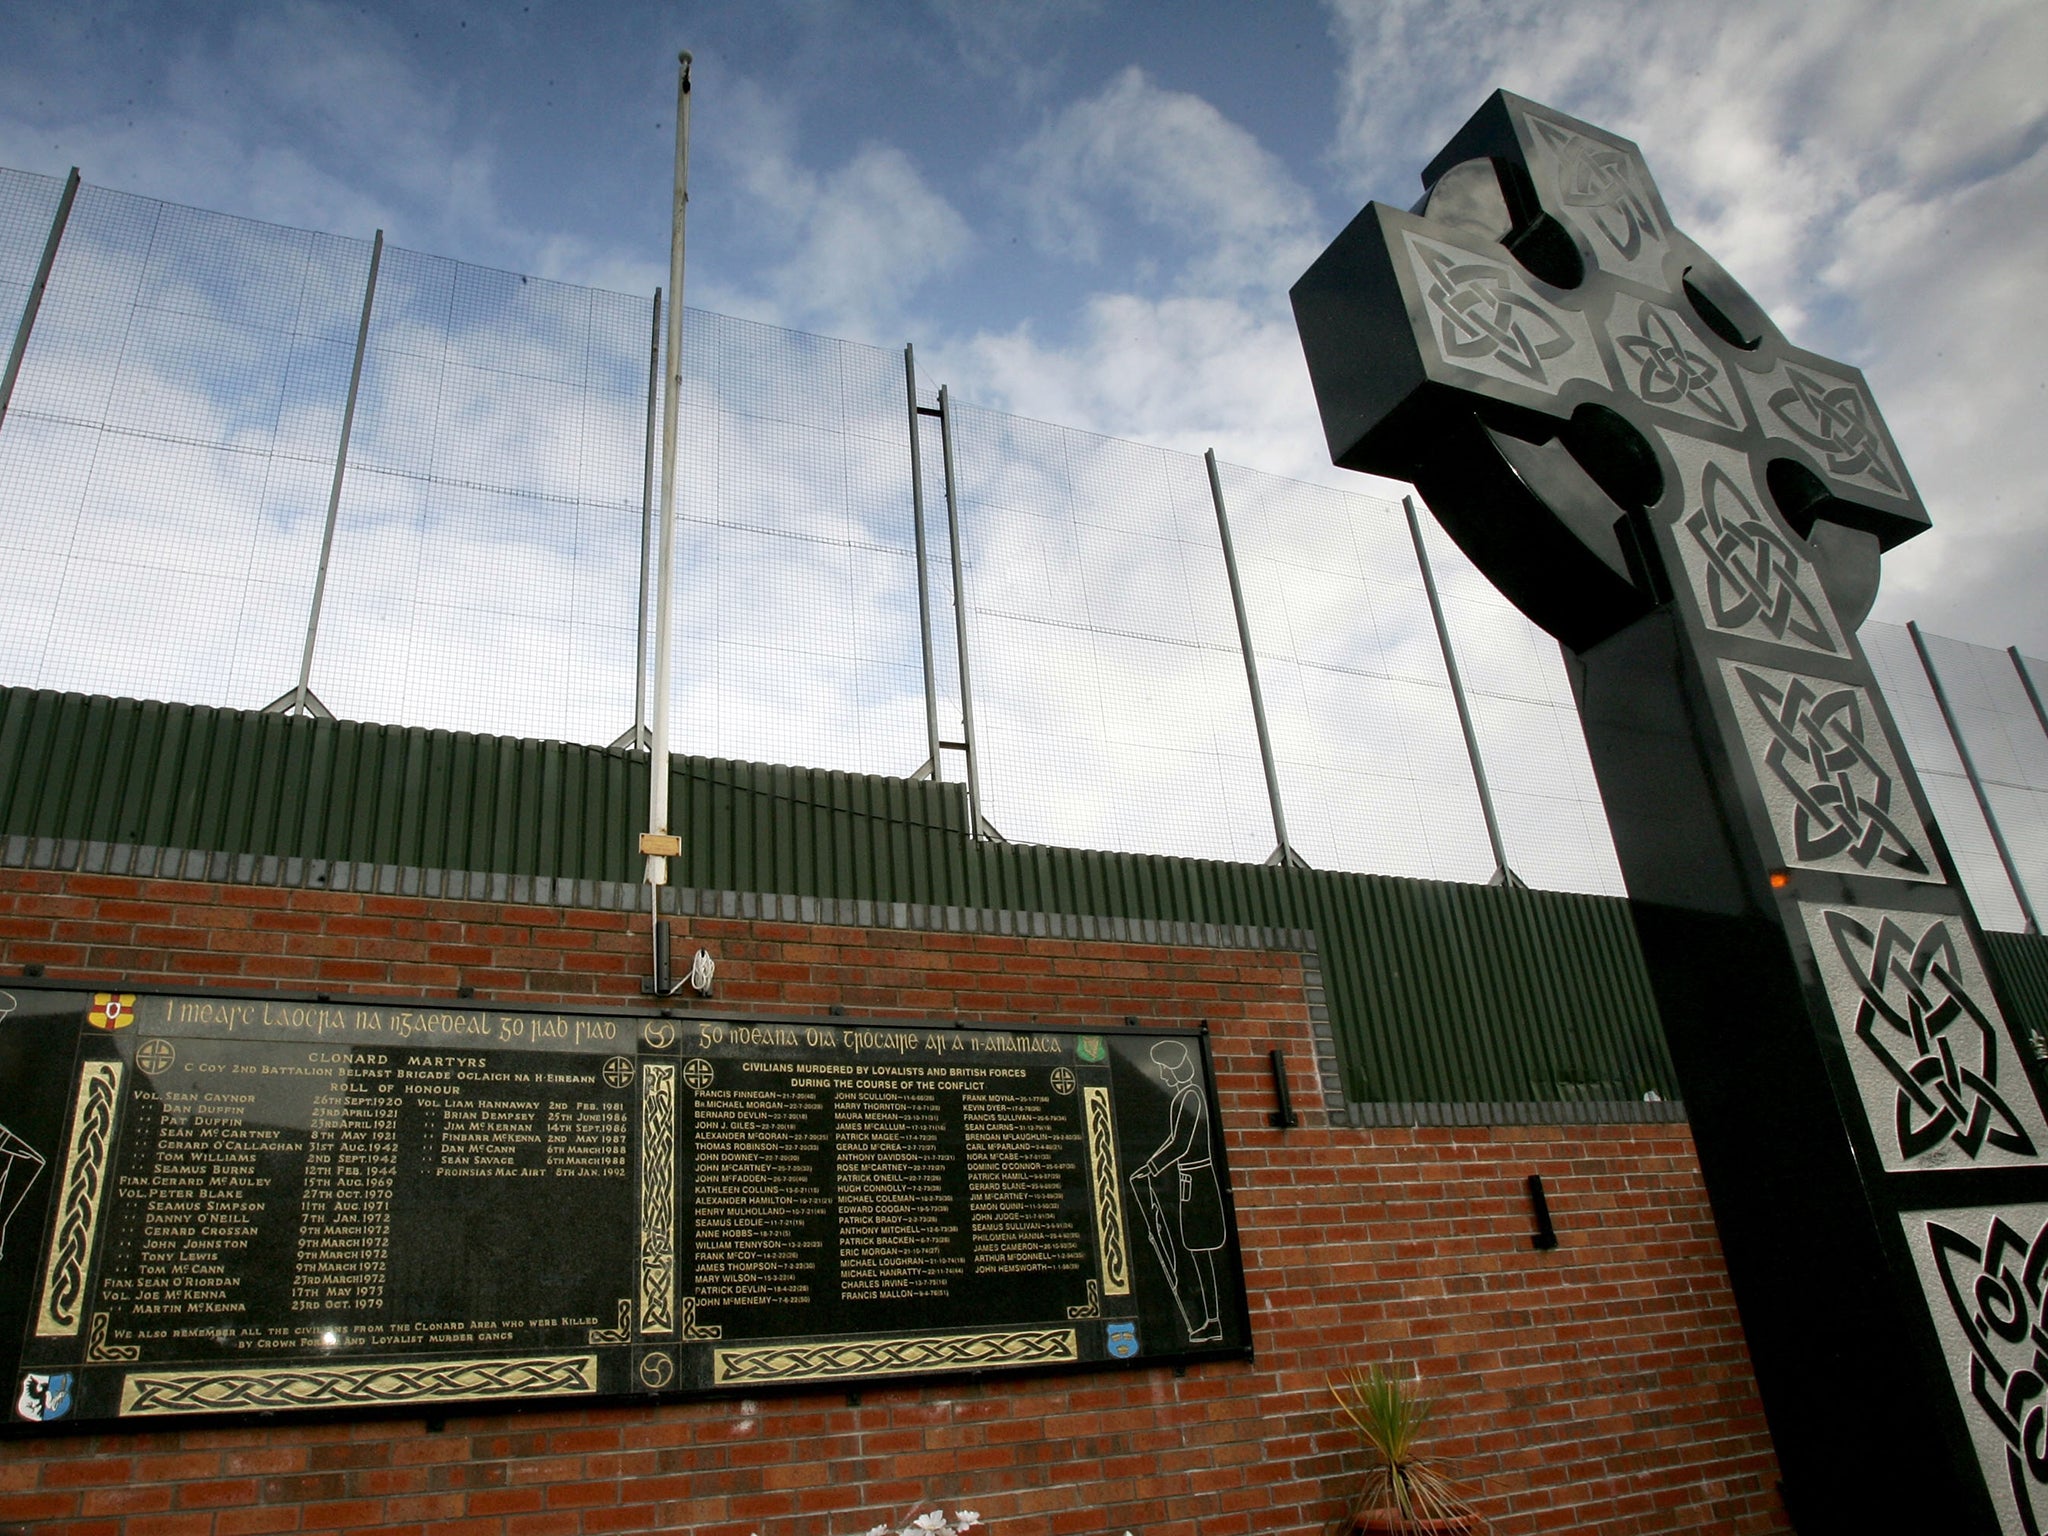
[659, 845]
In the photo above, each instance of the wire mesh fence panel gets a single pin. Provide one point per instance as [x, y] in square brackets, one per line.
[2008, 748]
[796, 597]
[486, 554]
[166, 464]
[1109, 692]
[167, 437]
[28, 204]
[1546, 799]
[1911, 699]
[1372, 765]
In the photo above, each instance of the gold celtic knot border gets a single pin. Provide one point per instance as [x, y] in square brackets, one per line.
[1108, 1192]
[692, 1329]
[98, 1349]
[1092, 1307]
[903, 1355]
[658, 1198]
[622, 1334]
[85, 1184]
[328, 1386]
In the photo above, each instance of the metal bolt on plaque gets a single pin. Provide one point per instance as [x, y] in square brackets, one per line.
[1617, 434]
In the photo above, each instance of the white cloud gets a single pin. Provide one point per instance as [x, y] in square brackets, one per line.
[1188, 342]
[1168, 159]
[871, 232]
[313, 115]
[1186, 373]
[1016, 40]
[1960, 372]
[848, 246]
[306, 114]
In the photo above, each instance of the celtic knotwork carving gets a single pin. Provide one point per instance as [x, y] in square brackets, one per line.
[1986, 1275]
[169, 1392]
[1671, 369]
[622, 1333]
[657, 1197]
[78, 1214]
[1107, 1190]
[1821, 761]
[1600, 180]
[1922, 1011]
[1836, 419]
[905, 1355]
[1536, 232]
[98, 1350]
[1483, 317]
[1092, 1307]
[1754, 576]
[1709, 497]
[692, 1329]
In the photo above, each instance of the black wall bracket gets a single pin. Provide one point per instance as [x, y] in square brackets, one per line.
[1284, 1116]
[659, 984]
[1545, 1235]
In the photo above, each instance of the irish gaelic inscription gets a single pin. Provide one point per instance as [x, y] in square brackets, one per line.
[263, 1205]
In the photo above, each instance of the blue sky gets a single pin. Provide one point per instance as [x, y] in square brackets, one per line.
[1090, 213]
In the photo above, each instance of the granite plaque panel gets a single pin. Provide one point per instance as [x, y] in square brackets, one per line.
[216, 1204]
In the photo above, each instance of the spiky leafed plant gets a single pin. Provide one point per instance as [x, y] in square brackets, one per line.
[1390, 1416]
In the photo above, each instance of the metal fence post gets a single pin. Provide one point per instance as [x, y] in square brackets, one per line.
[979, 825]
[637, 737]
[924, 587]
[301, 699]
[2019, 665]
[33, 304]
[1955, 731]
[1283, 850]
[658, 838]
[1502, 875]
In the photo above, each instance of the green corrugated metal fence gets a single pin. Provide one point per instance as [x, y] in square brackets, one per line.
[1437, 992]
[2021, 961]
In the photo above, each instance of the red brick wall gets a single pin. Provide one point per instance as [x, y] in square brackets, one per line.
[1600, 1387]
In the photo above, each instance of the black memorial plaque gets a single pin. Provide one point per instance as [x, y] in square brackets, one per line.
[225, 1204]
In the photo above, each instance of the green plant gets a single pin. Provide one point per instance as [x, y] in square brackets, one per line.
[1390, 1415]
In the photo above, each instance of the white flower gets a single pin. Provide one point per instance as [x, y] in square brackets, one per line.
[966, 1518]
[880, 1530]
[933, 1521]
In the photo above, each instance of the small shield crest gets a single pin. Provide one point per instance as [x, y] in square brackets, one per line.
[44, 1397]
[112, 1010]
[1123, 1339]
[1090, 1048]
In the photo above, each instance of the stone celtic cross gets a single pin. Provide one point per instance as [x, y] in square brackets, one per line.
[1621, 439]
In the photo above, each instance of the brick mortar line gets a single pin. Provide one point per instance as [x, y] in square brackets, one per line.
[1387, 1115]
[150, 862]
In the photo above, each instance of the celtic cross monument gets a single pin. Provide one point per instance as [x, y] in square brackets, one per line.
[1620, 438]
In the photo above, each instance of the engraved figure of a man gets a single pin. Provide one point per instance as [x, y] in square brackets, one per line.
[1180, 1200]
